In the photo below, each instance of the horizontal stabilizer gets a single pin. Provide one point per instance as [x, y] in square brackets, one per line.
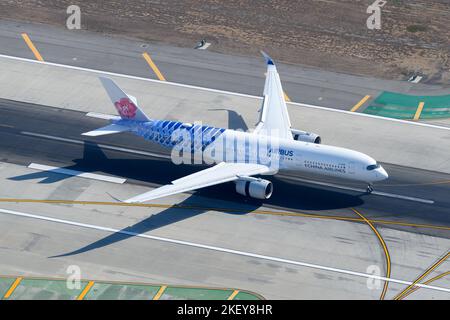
[109, 129]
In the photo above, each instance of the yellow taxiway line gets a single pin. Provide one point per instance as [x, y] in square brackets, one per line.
[385, 249]
[160, 292]
[360, 103]
[233, 295]
[153, 66]
[419, 111]
[426, 273]
[426, 282]
[85, 290]
[30, 44]
[186, 207]
[12, 288]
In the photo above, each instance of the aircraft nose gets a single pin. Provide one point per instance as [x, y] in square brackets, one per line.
[382, 173]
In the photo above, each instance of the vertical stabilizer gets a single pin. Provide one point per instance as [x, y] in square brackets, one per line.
[126, 105]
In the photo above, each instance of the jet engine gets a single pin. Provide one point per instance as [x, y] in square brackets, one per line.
[258, 188]
[304, 136]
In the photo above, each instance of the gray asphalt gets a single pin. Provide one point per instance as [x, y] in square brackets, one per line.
[30, 243]
[195, 67]
[289, 195]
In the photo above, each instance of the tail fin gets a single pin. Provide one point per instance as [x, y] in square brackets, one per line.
[126, 105]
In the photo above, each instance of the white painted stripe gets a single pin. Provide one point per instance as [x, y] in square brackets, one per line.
[220, 249]
[399, 196]
[103, 146]
[223, 91]
[378, 193]
[80, 174]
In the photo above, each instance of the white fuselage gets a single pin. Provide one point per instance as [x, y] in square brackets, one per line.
[238, 146]
[292, 155]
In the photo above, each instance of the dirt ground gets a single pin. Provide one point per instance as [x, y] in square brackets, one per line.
[329, 34]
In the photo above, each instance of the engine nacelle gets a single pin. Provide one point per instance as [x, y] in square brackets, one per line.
[258, 188]
[306, 136]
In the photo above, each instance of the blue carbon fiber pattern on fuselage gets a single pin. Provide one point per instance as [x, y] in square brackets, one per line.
[160, 131]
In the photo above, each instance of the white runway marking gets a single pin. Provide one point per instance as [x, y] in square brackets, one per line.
[76, 173]
[406, 122]
[378, 193]
[220, 249]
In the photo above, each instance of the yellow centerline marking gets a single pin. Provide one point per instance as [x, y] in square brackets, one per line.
[85, 290]
[426, 282]
[12, 288]
[426, 273]
[419, 111]
[360, 103]
[160, 292]
[30, 44]
[233, 295]
[153, 66]
[386, 253]
[185, 207]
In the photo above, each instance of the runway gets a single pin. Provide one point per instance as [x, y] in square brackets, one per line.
[312, 239]
[196, 67]
[150, 170]
[26, 136]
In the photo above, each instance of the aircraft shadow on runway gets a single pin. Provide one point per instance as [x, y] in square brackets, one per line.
[235, 120]
[287, 195]
[156, 221]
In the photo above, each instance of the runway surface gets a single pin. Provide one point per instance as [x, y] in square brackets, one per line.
[195, 67]
[310, 240]
[21, 145]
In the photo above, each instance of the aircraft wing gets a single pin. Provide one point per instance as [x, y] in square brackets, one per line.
[220, 173]
[274, 120]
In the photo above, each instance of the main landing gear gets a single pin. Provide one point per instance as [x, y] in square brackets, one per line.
[369, 188]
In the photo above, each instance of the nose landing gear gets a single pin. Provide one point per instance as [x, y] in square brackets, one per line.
[369, 188]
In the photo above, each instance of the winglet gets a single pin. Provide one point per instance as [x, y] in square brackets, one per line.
[268, 58]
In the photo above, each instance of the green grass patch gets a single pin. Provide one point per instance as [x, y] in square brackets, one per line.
[403, 106]
[34, 289]
[176, 293]
[56, 289]
[246, 296]
[107, 291]
[5, 284]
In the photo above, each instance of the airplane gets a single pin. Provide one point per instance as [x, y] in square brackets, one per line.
[278, 146]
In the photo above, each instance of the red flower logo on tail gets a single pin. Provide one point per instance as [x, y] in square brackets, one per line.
[126, 108]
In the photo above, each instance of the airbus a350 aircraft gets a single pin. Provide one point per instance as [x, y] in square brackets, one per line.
[288, 149]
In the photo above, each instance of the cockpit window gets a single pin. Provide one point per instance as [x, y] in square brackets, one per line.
[373, 167]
